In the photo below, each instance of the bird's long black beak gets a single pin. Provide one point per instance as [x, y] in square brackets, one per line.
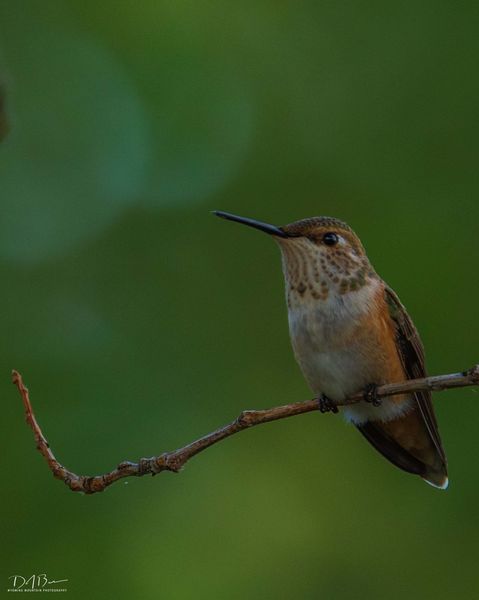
[266, 227]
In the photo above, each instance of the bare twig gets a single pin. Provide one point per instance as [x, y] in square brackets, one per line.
[176, 459]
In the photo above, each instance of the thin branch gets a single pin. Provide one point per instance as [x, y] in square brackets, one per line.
[176, 459]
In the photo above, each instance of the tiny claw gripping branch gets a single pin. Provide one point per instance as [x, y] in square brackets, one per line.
[325, 405]
[175, 460]
[473, 374]
[371, 395]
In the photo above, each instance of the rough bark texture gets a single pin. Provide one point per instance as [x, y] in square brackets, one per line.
[176, 459]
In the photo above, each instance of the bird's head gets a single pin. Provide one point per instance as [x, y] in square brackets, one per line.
[320, 255]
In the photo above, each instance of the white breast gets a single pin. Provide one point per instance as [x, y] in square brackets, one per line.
[322, 334]
[333, 362]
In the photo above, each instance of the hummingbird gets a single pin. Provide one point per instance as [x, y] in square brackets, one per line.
[350, 333]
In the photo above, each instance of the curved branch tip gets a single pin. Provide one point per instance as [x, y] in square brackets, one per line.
[175, 460]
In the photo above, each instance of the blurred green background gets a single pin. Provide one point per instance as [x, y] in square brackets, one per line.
[140, 322]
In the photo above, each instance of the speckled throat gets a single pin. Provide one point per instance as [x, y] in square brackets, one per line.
[311, 271]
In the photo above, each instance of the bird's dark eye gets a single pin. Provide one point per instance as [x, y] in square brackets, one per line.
[330, 238]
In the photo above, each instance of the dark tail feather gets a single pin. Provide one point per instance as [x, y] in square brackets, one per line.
[381, 435]
[390, 449]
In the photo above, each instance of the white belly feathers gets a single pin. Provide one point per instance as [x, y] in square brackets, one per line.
[332, 361]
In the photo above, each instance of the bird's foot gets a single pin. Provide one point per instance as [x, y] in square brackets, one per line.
[371, 395]
[326, 405]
